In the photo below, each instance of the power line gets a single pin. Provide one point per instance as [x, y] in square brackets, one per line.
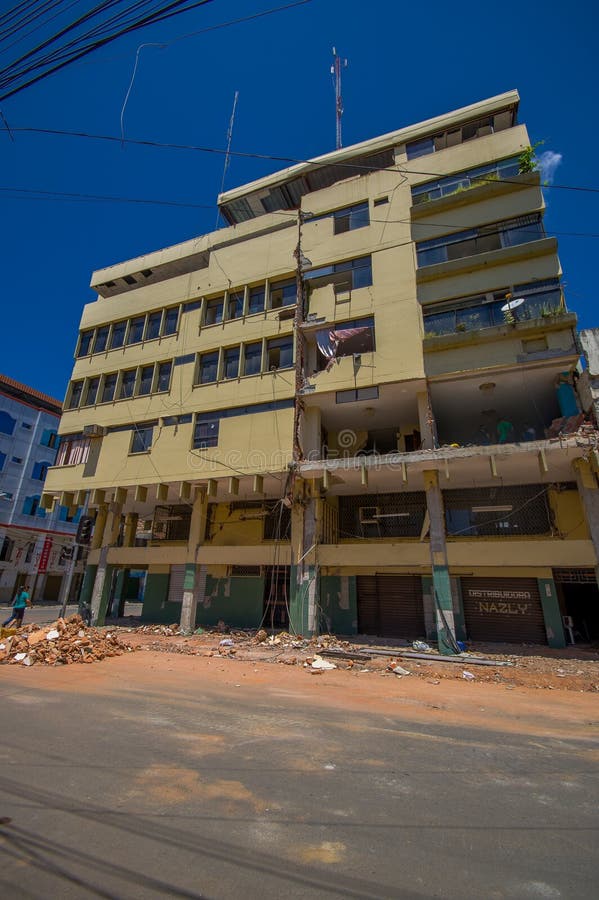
[161, 145]
[35, 194]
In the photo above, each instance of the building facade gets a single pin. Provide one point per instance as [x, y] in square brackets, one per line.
[35, 545]
[354, 408]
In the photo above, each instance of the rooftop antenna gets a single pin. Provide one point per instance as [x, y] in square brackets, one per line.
[338, 64]
[228, 153]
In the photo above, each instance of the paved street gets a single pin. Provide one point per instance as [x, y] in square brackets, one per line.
[157, 775]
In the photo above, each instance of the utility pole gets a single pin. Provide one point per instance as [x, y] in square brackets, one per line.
[338, 64]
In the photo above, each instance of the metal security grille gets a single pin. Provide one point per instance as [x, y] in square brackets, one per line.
[574, 576]
[390, 606]
[246, 571]
[171, 523]
[381, 515]
[498, 512]
[503, 609]
[175, 584]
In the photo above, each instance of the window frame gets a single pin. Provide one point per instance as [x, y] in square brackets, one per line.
[140, 432]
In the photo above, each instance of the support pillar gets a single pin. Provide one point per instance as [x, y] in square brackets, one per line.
[106, 539]
[551, 613]
[191, 584]
[304, 601]
[426, 420]
[441, 588]
[131, 520]
[589, 494]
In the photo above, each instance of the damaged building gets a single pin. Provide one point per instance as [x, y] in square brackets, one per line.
[355, 408]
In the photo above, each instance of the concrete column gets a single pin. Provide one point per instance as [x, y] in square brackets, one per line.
[102, 583]
[442, 596]
[589, 494]
[428, 429]
[310, 433]
[99, 526]
[551, 613]
[131, 521]
[191, 584]
[304, 602]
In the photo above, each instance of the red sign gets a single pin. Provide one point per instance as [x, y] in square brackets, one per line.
[43, 566]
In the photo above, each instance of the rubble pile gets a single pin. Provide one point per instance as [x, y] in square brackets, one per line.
[166, 630]
[62, 643]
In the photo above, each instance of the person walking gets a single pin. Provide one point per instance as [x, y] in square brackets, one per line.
[19, 605]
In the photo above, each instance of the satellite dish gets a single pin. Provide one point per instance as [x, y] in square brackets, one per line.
[513, 304]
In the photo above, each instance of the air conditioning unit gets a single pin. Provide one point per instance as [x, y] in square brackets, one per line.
[94, 430]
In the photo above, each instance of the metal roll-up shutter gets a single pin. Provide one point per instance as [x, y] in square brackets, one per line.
[175, 584]
[390, 606]
[503, 609]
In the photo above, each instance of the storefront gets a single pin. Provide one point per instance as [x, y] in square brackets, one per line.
[390, 606]
[503, 609]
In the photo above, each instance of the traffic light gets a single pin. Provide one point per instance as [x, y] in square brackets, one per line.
[84, 530]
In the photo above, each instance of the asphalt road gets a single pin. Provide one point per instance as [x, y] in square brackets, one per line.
[175, 784]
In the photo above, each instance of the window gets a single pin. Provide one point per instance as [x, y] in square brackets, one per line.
[153, 326]
[214, 311]
[235, 305]
[117, 338]
[65, 515]
[75, 394]
[163, 378]
[146, 376]
[345, 276]
[7, 550]
[2, 460]
[108, 388]
[459, 135]
[206, 431]
[136, 330]
[29, 551]
[49, 438]
[91, 391]
[171, 320]
[127, 384]
[18, 460]
[40, 470]
[7, 423]
[461, 244]
[350, 218]
[73, 451]
[85, 342]
[142, 438]
[26, 425]
[345, 339]
[101, 340]
[432, 190]
[231, 362]
[279, 353]
[208, 370]
[283, 293]
[367, 393]
[252, 358]
[256, 301]
[30, 506]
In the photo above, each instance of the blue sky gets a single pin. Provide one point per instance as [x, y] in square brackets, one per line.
[406, 63]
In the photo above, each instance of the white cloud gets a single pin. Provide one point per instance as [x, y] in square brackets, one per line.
[548, 162]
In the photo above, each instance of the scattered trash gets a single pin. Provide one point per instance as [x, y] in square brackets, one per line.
[227, 642]
[53, 634]
[421, 646]
[19, 657]
[468, 675]
[399, 670]
[320, 663]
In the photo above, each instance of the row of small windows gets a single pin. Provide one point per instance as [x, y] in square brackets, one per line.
[139, 382]
[542, 298]
[39, 471]
[463, 181]
[7, 426]
[460, 134]
[245, 359]
[31, 507]
[136, 330]
[249, 301]
[480, 240]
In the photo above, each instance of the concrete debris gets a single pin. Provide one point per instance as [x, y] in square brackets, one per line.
[261, 636]
[166, 630]
[399, 670]
[421, 646]
[64, 642]
[227, 642]
[320, 663]
[468, 675]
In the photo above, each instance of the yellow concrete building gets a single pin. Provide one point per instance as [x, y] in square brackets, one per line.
[354, 408]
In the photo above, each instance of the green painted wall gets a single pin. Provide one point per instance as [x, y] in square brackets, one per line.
[156, 607]
[238, 601]
[299, 603]
[551, 613]
[338, 605]
[87, 587]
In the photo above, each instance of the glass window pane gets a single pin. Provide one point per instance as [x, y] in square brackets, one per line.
[279, 353]
[164, 376]
[136, 330]
[428, 256]
[419, 148]
[283, 293]
[171, 319]
[76, 389]
[231, 363]
[118, 335]
[214, 311]
[256, 303]
[235, 305]
[142, 439]
[362, 276]
[153, 326]
[473, 318]
[205, 433]
[252, 358]
[127, 384]
[208, 367]
[101, 339]
[533, 231]
[145, 380]
[85, 343]
[108, 388]
[91, 391]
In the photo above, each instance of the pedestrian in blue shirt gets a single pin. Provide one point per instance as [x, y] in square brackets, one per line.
[19, 605]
